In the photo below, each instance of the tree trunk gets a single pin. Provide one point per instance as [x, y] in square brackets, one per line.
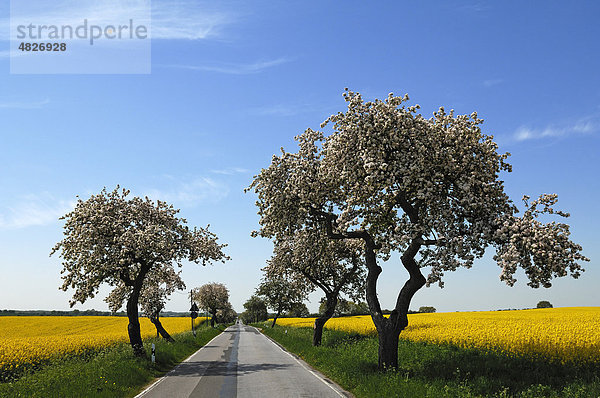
[133, 328]
[160, 329]
[388, 347]
[388, 329]
[330, 303]
[275, 318]
[212, 318]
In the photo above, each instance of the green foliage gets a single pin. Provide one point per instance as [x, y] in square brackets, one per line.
[298, 310]
[346, 307]
[256, 310]
[429, 370]
[427, 310]
[113, 372]
[544, 304]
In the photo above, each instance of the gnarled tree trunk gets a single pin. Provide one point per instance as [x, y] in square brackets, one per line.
[388, 346]
[330, 303]
[388, 329]
[133, 328]
[160, 329]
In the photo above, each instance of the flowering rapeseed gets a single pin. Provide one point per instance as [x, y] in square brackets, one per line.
[29, 340]
[555, 334]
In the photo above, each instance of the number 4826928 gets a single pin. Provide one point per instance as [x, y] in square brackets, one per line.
[43, 46]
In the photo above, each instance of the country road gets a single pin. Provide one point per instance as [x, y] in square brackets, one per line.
[241, 362]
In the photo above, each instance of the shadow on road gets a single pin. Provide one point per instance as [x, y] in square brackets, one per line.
[218, 368]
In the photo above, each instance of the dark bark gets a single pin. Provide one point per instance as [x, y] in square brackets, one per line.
[160, 329]
[213, 314]
[133, 328]
[388, 329]
[275, 318]
[388, 347]
[330, 303]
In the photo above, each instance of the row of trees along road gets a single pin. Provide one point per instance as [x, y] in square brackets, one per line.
[132, 245]
[315, 262]
[214, 297]
[255, 310]
[385, 180]
[281, 291]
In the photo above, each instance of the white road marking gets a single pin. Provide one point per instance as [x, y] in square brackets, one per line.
[301, 364]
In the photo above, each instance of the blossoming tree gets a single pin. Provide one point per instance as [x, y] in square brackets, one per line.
[427, 188]
[112, 239]
[313, 260]
[212, 297]
[280, 290]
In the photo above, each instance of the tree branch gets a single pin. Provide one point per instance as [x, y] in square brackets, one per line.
[329, 221]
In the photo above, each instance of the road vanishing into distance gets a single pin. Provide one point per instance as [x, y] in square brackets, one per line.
[242, 362]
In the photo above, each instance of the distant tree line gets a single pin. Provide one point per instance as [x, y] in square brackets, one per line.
[91, 312]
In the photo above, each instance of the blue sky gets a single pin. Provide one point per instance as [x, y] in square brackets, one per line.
[232, 82]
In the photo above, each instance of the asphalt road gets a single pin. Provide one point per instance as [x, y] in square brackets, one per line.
[241, 362]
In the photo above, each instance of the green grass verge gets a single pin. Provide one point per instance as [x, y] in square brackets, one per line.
[111, 372]
[429, 370]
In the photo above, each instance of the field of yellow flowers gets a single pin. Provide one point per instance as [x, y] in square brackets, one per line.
[555, 334]
[29, 340]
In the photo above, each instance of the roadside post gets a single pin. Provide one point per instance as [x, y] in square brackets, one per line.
[194, 315]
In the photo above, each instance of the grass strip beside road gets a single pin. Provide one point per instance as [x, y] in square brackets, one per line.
[430, 370]
[112, 372]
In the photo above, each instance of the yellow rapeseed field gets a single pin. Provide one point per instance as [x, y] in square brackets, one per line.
[555, 334]
[28, 340]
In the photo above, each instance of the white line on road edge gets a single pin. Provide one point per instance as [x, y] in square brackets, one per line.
[147, 390]
[318, 376]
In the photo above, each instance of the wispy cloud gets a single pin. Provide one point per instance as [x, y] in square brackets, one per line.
[189, 193]
[230, 171]
[492, 82]
[587, 125]
[190, 20]
[235, 69]
[23, 105]
[34, 210]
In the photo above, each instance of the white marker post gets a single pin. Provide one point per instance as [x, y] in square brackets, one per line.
[153, 353]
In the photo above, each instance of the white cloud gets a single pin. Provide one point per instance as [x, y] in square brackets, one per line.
[34, 210]
[189, 193]
[191, 20]
[24, 105]
[187, 20]
[587, 125]
[235, 69]
[230, 171]
[492, 82]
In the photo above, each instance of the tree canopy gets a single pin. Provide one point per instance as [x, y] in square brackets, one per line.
[280, 292]
[256, 310]
[212, 297]
[314, 261]
[427, 188]
[112, 239]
